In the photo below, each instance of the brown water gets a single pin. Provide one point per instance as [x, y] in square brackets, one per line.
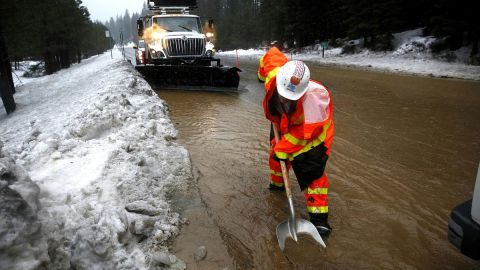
[406, 151]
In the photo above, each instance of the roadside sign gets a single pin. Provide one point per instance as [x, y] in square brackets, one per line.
[107, 35]
[324, 45]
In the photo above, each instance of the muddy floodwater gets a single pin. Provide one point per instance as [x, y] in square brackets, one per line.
[406, 151]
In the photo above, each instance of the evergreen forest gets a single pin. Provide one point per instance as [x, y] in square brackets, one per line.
[61, 32]
[298, 23]
[57, 32]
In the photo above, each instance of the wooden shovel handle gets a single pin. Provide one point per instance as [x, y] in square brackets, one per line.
[282, 164]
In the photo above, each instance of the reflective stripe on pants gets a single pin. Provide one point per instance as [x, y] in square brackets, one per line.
[276, 177]
[316, 196]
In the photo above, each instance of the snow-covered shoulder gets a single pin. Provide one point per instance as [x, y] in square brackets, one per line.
[411, 54]
[90, 152]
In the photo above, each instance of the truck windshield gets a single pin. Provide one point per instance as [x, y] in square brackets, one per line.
[178, 24]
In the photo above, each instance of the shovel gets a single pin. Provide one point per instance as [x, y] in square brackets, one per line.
[293, 226]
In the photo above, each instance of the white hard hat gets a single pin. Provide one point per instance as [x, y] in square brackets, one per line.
[292, 80]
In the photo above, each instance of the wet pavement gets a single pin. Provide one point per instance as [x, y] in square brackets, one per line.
[406, 151]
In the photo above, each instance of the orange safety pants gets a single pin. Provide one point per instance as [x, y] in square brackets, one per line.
[315, 194]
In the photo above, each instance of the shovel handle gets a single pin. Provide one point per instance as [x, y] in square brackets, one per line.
[282, 164]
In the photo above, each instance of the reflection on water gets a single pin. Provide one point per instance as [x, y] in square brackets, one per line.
[405, 153]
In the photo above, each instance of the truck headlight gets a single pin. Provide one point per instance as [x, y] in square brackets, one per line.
[210, 35]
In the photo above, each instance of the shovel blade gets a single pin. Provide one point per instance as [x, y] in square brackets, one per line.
[301, 226]
[284, 231]
[306, 227]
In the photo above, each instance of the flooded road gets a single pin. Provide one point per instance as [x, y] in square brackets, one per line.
[406, 151]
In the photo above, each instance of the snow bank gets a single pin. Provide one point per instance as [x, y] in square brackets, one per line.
[249, 52]
[21, 243]
[99, 148]
[125, 45]
[405, 37]
[392, 63]
[412, 55]
[27, 71]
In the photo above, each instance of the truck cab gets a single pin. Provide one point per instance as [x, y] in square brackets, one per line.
[178, 50]
[174, 36]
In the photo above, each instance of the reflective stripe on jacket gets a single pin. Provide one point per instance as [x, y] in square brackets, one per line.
[273, 60]
[261, 70]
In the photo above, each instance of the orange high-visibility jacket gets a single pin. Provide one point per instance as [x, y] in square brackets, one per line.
[310, 125]
[271, 61]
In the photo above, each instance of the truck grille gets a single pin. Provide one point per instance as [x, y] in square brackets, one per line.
[185, 47]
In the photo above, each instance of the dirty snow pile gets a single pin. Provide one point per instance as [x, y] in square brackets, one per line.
[86, 165]
[411, 54]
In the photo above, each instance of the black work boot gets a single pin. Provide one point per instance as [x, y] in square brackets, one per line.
[276, 188]
[321, 223]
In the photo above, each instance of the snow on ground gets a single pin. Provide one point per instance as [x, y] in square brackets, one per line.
[393, 63]
[25, 74]
[130, 45]
[125, 45]
[411, 55]
[88, 160]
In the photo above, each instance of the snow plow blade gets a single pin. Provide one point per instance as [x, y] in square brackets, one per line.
[206, 78]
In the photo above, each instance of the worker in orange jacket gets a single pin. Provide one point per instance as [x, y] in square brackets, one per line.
[302, 109]
[268, 66]
[273, 58]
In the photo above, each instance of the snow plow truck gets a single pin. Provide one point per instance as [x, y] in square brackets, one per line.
[178, 51]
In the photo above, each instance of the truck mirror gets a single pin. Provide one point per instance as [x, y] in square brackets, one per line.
[140, 27]
[210, 24]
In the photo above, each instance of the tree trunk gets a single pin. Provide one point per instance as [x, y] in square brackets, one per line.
[7, 88]
[474, 46]
[64, 58]
[50, 64]
[79, 56]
